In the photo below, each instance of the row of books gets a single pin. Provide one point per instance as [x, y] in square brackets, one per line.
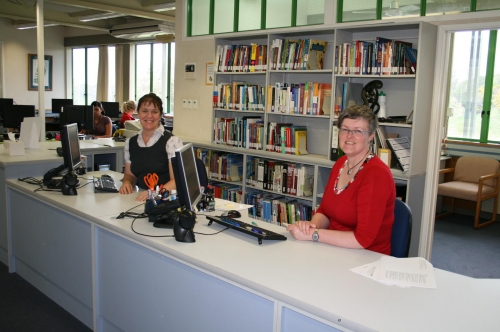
[280, 177]
[297, 54]
[221, 165]
[239, 96]
[244, 132]
[227, 192]
[286, 138]
[277, 210]
[311, 98]
[379, 57]
[241, 58]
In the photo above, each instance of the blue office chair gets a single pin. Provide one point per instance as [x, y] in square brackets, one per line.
[401, 230]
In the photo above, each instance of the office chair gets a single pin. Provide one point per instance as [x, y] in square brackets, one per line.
[474, 179]
[202, 172]
[401, 230]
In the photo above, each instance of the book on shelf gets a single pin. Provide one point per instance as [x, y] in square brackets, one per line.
[400, 148]
[411, 54]
[300, 144]
[316, 54]
[325, 98]
[241, 58]
[334, 150]
[351, 94]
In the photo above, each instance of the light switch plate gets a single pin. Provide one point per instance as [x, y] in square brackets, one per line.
[195, 104]
[184, 103]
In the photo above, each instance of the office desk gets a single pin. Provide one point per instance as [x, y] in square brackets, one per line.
[36, 162]
[75, 251]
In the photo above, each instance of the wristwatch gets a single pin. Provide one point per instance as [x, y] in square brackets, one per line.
[316, 235]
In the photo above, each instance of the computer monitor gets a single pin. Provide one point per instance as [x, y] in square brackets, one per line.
[186, 177]
[82, 115]
[14, 114]
[71, 147]
[111, 108]
[58, 104]
[4, 102]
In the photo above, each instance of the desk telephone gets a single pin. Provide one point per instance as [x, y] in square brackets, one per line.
[105, 183]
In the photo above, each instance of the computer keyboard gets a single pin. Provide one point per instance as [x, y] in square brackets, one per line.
[105, 184]
[258, 232]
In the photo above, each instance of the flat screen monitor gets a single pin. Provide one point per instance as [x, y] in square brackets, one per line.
[111, 108]
[186, 177]
[14, 114]
[57, 104]
[82, 115]
[4, 102]
[71, 146]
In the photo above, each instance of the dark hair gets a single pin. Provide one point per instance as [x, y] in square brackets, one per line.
[359, 111]
[98, 104]
[151, 98]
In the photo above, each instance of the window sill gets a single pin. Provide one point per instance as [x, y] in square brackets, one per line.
[487, 145]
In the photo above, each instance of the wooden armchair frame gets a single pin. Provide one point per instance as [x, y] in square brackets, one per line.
[480, 199]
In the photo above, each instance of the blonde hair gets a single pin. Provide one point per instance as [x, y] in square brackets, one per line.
[129, 106]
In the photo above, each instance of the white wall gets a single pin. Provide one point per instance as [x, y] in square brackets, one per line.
[189, 122]
[17, 44]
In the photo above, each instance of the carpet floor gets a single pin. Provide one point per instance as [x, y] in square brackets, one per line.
[459, 248]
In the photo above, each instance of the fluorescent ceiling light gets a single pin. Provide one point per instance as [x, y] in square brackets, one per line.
[163, 7]
[100, 16]
[33, 25]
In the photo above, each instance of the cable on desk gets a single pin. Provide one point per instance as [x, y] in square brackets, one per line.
[137, 215]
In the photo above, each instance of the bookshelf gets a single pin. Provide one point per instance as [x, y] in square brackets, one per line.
[404, 94]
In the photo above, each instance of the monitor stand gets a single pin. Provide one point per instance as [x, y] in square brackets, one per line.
[69, 182]
[183, 226]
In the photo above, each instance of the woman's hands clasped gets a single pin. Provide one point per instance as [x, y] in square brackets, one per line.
[302, 230]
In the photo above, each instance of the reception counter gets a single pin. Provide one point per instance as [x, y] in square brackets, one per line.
[125, 275]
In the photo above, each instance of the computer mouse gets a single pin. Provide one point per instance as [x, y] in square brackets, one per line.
[232, 214]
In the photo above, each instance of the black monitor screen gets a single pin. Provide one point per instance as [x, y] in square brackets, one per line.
[82, 115]
[57, 104]
[71, 146]
[4, 102]
[186, 177]
[111, 108]
[14, 114]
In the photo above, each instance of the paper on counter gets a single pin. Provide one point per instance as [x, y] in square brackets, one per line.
[402, 272]
[12, 136]
[223, 205]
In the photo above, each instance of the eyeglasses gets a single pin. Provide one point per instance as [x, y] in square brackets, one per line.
[355, 133]
[152, 112]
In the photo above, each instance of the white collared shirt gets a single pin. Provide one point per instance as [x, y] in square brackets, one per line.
[173, 143]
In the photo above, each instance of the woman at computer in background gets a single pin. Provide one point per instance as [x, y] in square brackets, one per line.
[128, 109]
[357, 209]
[150, 150]
[103, 126]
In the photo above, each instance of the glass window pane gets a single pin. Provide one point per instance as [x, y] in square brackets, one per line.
[143, 70]
[468, 70]
[112, 75]
[172, 75]
[446, 7]
[487, 4]
[393, 9]
[159, 70]
[200, 17]
[92, 69]
[249, 15]
[310, 12]
[79, 76]
[278, 13]
[362, 10]
[494, 130]
[223, 16]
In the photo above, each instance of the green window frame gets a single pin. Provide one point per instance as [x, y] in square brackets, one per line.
[263, 3]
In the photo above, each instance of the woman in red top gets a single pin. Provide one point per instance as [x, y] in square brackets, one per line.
[128, 109]
[357, 209]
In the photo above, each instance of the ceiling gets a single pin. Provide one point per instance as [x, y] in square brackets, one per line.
[129, 13]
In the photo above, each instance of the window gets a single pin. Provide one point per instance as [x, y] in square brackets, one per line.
[474, 92]
[85, 65]
[112, 73]
[154, 69]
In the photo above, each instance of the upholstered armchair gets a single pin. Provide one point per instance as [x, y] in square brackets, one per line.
[474, 179]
